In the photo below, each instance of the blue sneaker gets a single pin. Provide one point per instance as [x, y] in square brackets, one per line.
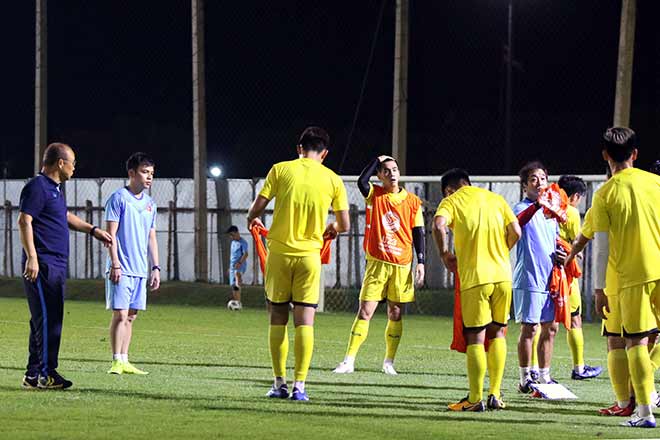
[639, 422]
[299, 395]
[278, 393]
[526, 387]
[588, 373]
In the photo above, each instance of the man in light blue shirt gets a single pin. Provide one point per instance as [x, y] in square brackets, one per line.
[237, 266]
[536, 253]
[131, 218]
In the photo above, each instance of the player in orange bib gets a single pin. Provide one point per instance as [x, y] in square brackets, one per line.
[394, 224]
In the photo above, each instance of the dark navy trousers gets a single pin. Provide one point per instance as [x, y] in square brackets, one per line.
[46, 300]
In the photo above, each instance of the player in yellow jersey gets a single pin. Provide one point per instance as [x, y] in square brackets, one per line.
[575, 189]
[394, 225]
[485, 229]
[627, 207]
[303, 189]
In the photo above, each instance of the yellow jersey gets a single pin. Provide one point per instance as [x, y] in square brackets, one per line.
[303, 189]
[627, 206]
[478, 219]
[571, 229]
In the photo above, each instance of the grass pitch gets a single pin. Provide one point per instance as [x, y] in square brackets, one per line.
[210, 370]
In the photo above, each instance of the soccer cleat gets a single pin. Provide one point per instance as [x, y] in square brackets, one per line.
[299, 395]
[53, 382]
[278, 393]
[494, 403]
[588, 373]
[526, 387]
[535, 375]
[129, 368]
[117, 367]
[344, 368]
[637, 421]
[389, 369]
[30, 382]
[465, 405]
[617, 411]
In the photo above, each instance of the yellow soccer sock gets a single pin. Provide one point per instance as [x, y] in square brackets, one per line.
[575, 339]
[393, 332]
[496, 360]
[641, 373]
[476, 369]
[359, 333]
[304, 346]
[617, 364]
[654, 354]
[535, 349]
[278, 341]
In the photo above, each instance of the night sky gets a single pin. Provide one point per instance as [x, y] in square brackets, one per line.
[120, 81]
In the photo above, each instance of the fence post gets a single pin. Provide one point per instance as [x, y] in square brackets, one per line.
[224, 222]
[9, 241]
[354, 214]
[99, 248]
[170, 216]
[175, 233]
[89, 250]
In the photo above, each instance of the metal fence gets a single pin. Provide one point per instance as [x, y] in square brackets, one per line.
[228, 202]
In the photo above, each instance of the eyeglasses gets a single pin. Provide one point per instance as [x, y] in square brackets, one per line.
[73, 162]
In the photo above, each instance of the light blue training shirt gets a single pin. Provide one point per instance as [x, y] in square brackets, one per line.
[136, 217]
[238, 248]
[534, 250]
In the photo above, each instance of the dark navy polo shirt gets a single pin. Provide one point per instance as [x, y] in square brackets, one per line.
[42, 199]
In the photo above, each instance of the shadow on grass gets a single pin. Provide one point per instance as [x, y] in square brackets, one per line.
[6, 367]
[174, 364]
[439, 417]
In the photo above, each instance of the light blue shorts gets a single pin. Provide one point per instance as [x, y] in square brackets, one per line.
[129, 293]
[232, 274]
[533, 307]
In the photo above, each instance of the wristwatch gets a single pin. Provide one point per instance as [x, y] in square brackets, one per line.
[156, 268]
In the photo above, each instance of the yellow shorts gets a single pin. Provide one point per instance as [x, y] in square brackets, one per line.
[293, 279]
[575, 298]
[486, 303]
[639, 307]
[612, 322]
[387, 281]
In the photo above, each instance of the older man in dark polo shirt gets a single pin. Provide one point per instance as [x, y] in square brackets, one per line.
[44, 224]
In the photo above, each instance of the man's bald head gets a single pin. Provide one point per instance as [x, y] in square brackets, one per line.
[55, 152]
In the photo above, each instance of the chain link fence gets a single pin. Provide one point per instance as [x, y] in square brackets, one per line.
[228, 202]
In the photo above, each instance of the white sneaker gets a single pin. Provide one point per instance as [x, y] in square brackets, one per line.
[637, 421]
[389, 369]
[344, 368]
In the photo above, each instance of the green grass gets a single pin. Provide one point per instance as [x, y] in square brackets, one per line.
[210, 369]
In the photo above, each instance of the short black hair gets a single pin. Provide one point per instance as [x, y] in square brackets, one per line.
[454, 177]
[314, 139]
[137, 159]
[54, 152]
[619, 142]
[231, 229]
[528, 168]
[379, 167]
[655, 167]
[572, 185]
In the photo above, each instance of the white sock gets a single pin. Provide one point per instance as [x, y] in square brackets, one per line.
[579, 369]
[654, 397]
[300, 385]
[388, 361]
[544, 375]
[644, 411]
[623, 403]
[350, 360]
[524, 374]
[116, 357]
[279, 381]
[124, 357]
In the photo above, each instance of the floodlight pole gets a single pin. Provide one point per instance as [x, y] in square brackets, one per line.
[400, 105]
[199, 142]
[509, 91]
[40, 83]
[625, 63]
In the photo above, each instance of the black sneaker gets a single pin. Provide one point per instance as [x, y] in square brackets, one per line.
[53, 382]
[30, 382]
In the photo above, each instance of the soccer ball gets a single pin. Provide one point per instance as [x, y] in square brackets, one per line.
[234, 305]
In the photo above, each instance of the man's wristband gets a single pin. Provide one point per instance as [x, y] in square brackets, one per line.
[156, 268]
[91, 231]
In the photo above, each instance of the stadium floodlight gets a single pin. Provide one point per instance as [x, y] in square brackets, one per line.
[215, 171]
